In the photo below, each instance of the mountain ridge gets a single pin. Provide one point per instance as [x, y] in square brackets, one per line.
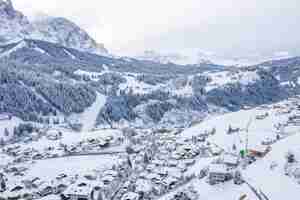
[15, 26]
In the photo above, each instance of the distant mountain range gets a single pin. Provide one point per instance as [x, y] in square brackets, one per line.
[199, 57]
[14, 26]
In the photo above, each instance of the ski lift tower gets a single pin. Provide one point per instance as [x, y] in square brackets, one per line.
[244, 152]
[247, 134]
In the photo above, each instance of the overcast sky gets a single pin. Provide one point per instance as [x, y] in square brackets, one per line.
[228, 27]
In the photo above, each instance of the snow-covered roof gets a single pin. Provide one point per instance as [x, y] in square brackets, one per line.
[230, 159]
[83, 190]
[143, 185]
[108, 178]
[110, 172]
[218, 168]
[130, 196]
[152, 176]
[169, 180]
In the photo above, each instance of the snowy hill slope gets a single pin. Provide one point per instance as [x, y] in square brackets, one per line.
[271, 175]
[142, 91]
[274, 182]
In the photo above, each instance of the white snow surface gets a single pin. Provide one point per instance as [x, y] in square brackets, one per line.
[89, 116]
[274, 183]
[70, 165]
[137, 87]
[258, 129]
[222, 78]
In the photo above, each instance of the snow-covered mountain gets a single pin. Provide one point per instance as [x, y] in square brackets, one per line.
[162, 58]
[178, 58]
[198, 56]
[66, 33]
[14, 26]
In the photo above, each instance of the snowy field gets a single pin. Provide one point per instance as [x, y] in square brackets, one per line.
[49, 169]
[70, 138]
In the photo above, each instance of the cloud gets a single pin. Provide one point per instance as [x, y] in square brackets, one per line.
[226, 27]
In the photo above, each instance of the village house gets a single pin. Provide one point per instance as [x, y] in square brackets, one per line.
[215, 151]
[170, 182]
[15, 191]
[46, 190]
[262, 116]
[218, 173]
[112, 173]
[143, 187]
[82, 191]
[54, 135]
[5, 116]
[60, 188]
[268, 141]
[189, 162]
[230, 160]
[130, 196]
[172, 163]
[260, 151]
[154, 178]
[107, 179]
[294, 120]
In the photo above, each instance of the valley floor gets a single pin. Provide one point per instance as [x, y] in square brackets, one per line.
[163, 163]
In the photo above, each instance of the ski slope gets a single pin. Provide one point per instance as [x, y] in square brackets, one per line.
[89, 116]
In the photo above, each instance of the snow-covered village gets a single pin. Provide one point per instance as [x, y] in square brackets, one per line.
[78, 122]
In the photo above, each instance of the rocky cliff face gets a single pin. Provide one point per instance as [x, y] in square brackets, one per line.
[15, 26]
[66, 33]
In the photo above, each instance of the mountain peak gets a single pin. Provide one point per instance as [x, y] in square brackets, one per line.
[65, 32]
[7, 10]
[14, 26]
